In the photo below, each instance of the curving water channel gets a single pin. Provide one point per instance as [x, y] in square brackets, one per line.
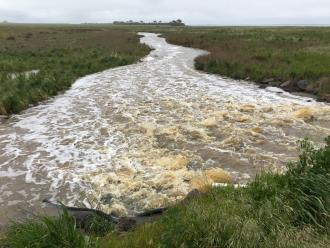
[138, 136]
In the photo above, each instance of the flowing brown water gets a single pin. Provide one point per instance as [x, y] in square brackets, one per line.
[136, 137]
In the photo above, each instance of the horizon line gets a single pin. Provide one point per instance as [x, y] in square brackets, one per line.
[191, 25]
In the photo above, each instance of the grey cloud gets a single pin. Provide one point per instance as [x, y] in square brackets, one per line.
[217, 12]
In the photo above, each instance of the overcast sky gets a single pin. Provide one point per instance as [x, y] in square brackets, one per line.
[193, 12]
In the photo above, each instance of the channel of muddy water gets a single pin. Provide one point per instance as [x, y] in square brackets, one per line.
[142, 136]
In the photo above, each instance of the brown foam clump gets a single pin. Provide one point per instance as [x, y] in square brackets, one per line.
[247, 108]
[105, 179]
[173, 162]
[210, 122]
[281, 122]
[156, 201]
[173, 131]
[195, 133]
[148, 129]
[232, 141]
[177, 193]
[256, 130]
[267, 109]
[130, 186]
[203, 180]
[243, 119]
[219, 115]
[218, 175]
[306, 114]
[126, 172]
[117, 209]
[164, 181]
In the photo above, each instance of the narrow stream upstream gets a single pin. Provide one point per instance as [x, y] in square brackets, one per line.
[135, 137]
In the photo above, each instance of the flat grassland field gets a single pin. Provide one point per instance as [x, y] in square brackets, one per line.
[38, 61]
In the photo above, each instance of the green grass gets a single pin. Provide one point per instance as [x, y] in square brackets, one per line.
[261, 53]
[290, 210]
[61, 232]
[61, 54]
[276, 210]
[48, 232]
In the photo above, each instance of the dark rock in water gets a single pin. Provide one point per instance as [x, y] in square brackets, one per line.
[106, 199]
[302, 84]
[267, 81]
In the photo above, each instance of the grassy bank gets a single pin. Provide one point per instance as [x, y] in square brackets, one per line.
[289, 210]
[59, 54]
[256, 54]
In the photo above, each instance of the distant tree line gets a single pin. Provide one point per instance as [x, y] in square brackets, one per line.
[177, 22]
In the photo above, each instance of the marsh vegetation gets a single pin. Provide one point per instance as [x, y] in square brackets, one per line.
[278, 54]
[57, 55]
